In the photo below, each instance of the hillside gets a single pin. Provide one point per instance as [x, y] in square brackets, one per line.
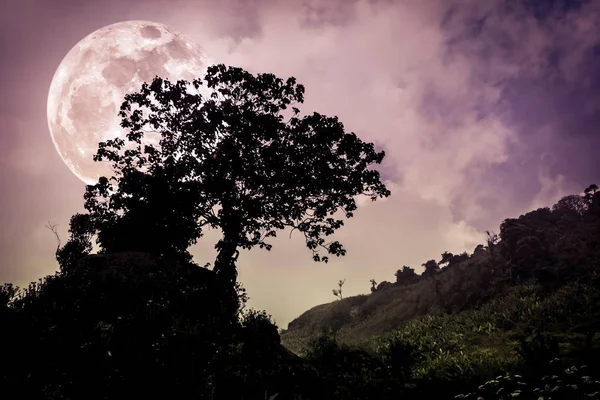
[546, 247]
[357, 318]
[522, 331]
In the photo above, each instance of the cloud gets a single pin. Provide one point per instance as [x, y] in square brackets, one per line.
[435, 120]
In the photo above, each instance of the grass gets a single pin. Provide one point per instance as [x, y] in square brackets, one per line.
[358, 318]
[473, 345]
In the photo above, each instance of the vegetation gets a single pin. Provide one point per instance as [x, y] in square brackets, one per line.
[516, 318]
[568, 383]
[483, 315]
[338, 292]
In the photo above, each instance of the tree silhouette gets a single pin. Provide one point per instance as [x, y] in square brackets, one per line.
[230, 162]
[589, 192]
[431, 268]
[479, 249]
[572, 203]
[383, 285]
[492, 240]
[446, 258]
[79, 244]
[373, 285]
[406, 275]
[338, 292]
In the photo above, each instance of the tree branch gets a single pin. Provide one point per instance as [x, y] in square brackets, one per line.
[52, 228]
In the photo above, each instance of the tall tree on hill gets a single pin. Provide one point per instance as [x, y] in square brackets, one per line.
[406, 275]
[373, 285]
[492, 240]
[232, 162]
[338, 292]
[590, 192]
[458, 258]
[573, 203]
[431, 268]
[446, 258]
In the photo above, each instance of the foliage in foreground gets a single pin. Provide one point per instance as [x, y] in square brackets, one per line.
[519, 332]
[569, 383]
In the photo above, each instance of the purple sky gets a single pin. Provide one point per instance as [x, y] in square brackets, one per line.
[486, 109]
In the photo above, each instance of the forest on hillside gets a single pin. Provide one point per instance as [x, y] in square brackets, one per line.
[140, 319]
[523, 307]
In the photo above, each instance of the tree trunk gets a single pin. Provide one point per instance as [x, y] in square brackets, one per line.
[231, 225]
[225, 268]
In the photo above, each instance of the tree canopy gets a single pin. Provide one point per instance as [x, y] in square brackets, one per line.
[431, 268]
[231, 161]
[406, 275]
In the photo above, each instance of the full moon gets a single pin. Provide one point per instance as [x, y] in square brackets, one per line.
[92, 80]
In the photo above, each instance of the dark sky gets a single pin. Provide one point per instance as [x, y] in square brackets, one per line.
[486, 109]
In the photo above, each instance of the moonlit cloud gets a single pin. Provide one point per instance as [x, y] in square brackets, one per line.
[486, 109]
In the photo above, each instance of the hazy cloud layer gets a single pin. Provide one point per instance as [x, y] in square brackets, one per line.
[485, 110]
